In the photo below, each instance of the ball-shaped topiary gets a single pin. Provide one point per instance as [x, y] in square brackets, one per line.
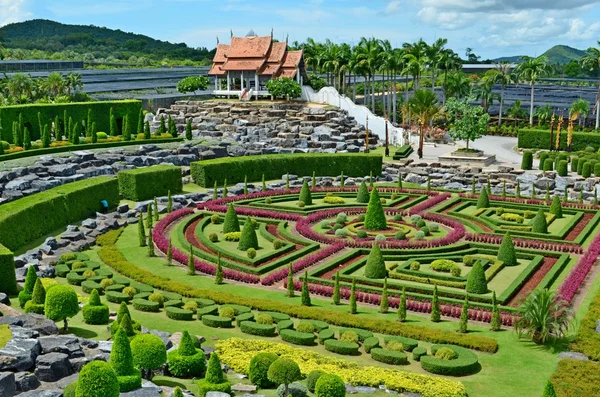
[97, 379]
[149, 352]
[187, 361]
[191, 305]
[214, 380]
[446, 353]
[293, 390]
[248, 238]
[95, 312]
[106, 282]
[251, 253]
[121, 360]
[362, 234]
[61, 304]
[349, 336]
[130, 291]
[330, 386]
[363, 194]
[375, 217]
[177, 392]
[258, 369]
[227, 311]
[305, 195]
[231, 224]
[78, 265]
[264, 318]
[476, 281]
[89, 273]
[283, 372]
[375, 267]
[36, 304]
[215, 219]
[312, 378]
[158, 298]
[507, 253]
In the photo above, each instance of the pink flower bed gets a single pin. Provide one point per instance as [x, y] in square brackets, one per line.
[523, 200]
[526, 243]
[570, 286]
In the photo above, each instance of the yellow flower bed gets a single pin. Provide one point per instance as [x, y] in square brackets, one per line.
[237, 353]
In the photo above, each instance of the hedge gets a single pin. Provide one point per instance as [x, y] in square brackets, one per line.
[587, 340]
[8, 279]
[370, 343]
[144, 305]
[89, 285]
[465, 364]
[204, 302]
[244, 317]
[272, 166]
[326, 334]
[77, 110]
[252, 328]
[176, 313]
[145, 183]
[117, 297]
[285, 324]
[60, 270]
[238, 309]
[75, 278]
[208, 310]
[25, 220]
[389, 356]
[339, 347]
[408, 343]
[297, 338]
[112, 257]
[419, 352]
[576, 378]
[173, 303]
[538, 139]
[277, 317]
[116, 287]
[403, 152]
[95, 314]
[362, 334]
[319, 325]
[216, 321]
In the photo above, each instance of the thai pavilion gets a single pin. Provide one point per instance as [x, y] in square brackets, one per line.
[249, 62]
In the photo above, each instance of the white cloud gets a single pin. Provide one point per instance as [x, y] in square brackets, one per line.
[13, 11]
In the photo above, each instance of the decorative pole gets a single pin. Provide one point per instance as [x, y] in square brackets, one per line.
[387, 140]
[558, 128]
[551, 131]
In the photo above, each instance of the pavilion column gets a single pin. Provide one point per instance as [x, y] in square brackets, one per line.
[298, 76]
[228, 84]
[242, 81]
[216, 83]
[256, 84]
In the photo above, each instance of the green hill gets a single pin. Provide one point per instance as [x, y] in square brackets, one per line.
[563, 54]
[99, 42]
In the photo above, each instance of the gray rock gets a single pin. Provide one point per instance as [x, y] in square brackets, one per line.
[19, 354]
[123, 208]
[573, 356]
[42, 393]
[67, 344]
[148, 389]
[164, 336]
[89, 223]
[4, 298]
[216, 394]
[105, 346]
[26, 381]
[7, 384]
[52, 367]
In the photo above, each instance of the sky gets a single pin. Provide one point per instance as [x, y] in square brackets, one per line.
[492, 28]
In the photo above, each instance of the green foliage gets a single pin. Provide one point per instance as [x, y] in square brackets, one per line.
[248, 238]
[141, 231]
[465, 363]
[476, 281]
[575, 378]
[384, 304]
[467, 122]
[61, 303]
[235, 169]
[192, 84]
[483, 201]
[538, 139]
[375, 217]
[336, 290]
[283, 372]
[305, 194]
[389, 356]
[586, 171]
[259, 367]
[556, 208]
[186, 361]
[148, 351]
[305, 291]
[231, 223]
[144, 183]
[95, 312]
[495, 323]
[330, 386]
[284, 88]
[446, 354]
[353, 307]
[312, 378]
[402, 306]
[507, 253]
[30, 281]
[435, 307]
[464, 317]
[297, 337]
[539, 223]
[290, 282]
[375, 267]
[543, 317]
[97, 379]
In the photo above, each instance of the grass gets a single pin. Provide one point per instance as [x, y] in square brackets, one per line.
[5, 335]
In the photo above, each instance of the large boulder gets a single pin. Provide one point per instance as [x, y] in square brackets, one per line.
[67, 344]
[19, 355]
[42, 393]
[148, 389]
[25, 381]
[7, 384]
[36, 322]
[52, 367]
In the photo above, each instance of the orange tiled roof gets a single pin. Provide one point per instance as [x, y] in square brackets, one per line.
[215, 70]
[249, 47]
[277, 52]
[270, 69]
[287, 72]
[292, 59]
[220, 55]
[252, 64]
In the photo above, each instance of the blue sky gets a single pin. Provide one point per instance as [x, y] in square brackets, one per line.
[492, 28]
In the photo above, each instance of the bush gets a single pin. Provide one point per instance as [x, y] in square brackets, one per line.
[214, 380]
[325, 335]
[527, 161]
[106, 282]
[312, 378]
[419, 352]
[186, 361]
[215, 219]
[277, 244]
[446, 354]
[562, 169]
[575, 378]
[121, 359]
[419, 236]
[340, 233]
[539, 223]
[285, 324]
[226, 311]
[476, 281]
[400, 236]
[157, 298]
[117, 297]
[395, 346]
[252, 328]
[370, 343]
[75, 279]
[259, 367]
[548, 165]
[231, 223]
[380, 238]
[248, 238]
[375, 217]
[340, 347]
[443, 265]
[145, 183]
[70, 390]
[97, 379]
[145, 305]
[213, 237]
[251, 253]
[297, 338]
[191, 305]
[330, 386]
[362, 334]
[305, 326]
[294, 390]
[507, 253]
[207, 310]
[61, 303]
[375, 267]
[586, 170]
[305, 195]
[217, 321]
[466, 363]
[389, 356]
[95, 312]
[349, 336]
[176, 313]
[149, 352]
[408, 344]
[416, 266]
[129, 291]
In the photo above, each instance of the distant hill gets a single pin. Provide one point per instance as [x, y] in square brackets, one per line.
[559, 54]
[51, 36]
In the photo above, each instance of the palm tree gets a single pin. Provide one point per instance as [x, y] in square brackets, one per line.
[434, 55]
[449, 61]
[369, 53]
[579, 110]
[531, 69]
[543, 114]
[503, 76]
[55, 84]
[458, 85]
[73, 82]
[19, 85]
[425, 106]
[485, 90]
[591, 61]
[543, 316]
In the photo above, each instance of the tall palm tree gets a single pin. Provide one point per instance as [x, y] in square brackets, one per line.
[591, 61]
[543, 113]
[20, 85]
[579, 110]
[458, 85]
[434, 55]
[485, 90]
[55, 84]
[369, 52]
[73, 82]
[531, 69]
[425, 107]
[502, 76]
[449, 61]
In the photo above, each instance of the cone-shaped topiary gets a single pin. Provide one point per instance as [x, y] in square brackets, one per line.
[495, 322]
[483, 201]
[141, 231]
[464, 317]
[539, 223]
[507, 253]
[191, 265]
[248, 238]
[476, 282]
[95, 312]
[435, 307]
[231, 223]
[363, 193]
[36, 304]
[219, 271]
[305, 195]
[121, 360]
[30, 279]
[375, 267]
[384, 304]
[290, 282]
[402, 306]
[556, 207]
[186, 345]
[126, 325]
[214, 380]
[375, 217]
[549, 390]
[305, 291]
[258, 369]
[150, 244]
[149, 218]
[353, 308]
[97, 379]
[336, 290]
[187, 360]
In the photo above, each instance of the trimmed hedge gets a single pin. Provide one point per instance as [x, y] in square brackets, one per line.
[466, 363]
[217, 321]
[21, 220]
[277, 317]
[252, 328]
[89, 285]
[408, 343]
[419, 352]
[176, 313]
[8, 278]
[319, 325]
[285, 324]
[95, 314]
[208, 310]
[235, 169]
[204, 302]
[238, 309]
[576, 378]
[244, 317]
[173, 303]
[339, 347]
[144, 305]
[186, 366]
[326, 334]
[370, 343]
[297, 338]
[117, 297]
[538, 139]
[389, 356]
[146, 183]
[362, 334]
[403, 152]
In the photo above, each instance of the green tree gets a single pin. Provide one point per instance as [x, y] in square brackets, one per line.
[539, 223]
[177, 392]
[305, 292]
[140, 125]
[353, 308]
[162, 129]
[61, 304]
[149, 353]
[97, 379]
[283, 372]
[169, 202]
[113, 123]
[191, 265]
[188, 130]
[305, 195]
[591, 62]
[375, 217]
[245, 184]
[467, 122]
[507, 253]
[214, 379]
[543, 316]
[290, 282]
[336, 290]
[141, 231]
[363, 193]
[219, 271]
[425, 107]
[149, 217]
[483, 201]
[259, 368]
[121, 360]
[26, 139]
[156, 214]
[375, 267]
[192, 84]
[264, 184]
[94, 133]
[435, 307]
[172, 127]
[495, 322]
[151, 252]
[464, 316]
[402, 306]
[284, 88]
[476, 281]
[532, 69]
[384, 304]
[549, 390]
[248, 237]
[147, 130]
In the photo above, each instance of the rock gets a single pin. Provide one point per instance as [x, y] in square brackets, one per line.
[164, 336]
[67, 344]
[573, 356]
[216, 394]
[123, 208]
[52, 367]
[414, 178]
[105, 346]
[148, 389]
[19, 354]
[42, 393]
[66, 381]
[7, 384]
[26, 381]
[89, 223]
[4, 298]
[242, 388]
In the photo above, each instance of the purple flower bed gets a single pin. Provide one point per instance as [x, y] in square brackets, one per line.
[526, 243]
[570, 286]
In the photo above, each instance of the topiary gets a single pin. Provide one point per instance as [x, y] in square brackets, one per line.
[214, 380]
[562, 168]
[77, 265]
[97, 379]
[312, 378]
[375, 267]
[191, 305]
[213, 237]
[446, 353]
[187, 360]
[586, 170]
[251, 253]
[305, 326]
[375, 217]
[149, 352]
[227, 311]
[121, 360]
[548, 165]
[507, 253]
[177, 392]
[70, 390]
[258, 369]
[30, 279]
[231, 223]
[484, 200]
[527, 161]
[264, 318]
[123, 310]
[248, 238]
[330, 386]
[416, 266]
[305, 195]
[349, 336]
[361, 234]
[419, 235]
[106, 282]
[476, 281]
[277, 244]
[89, 273]
[539, 223]
[215, 219]
[130, 291]
[284, 371]
[556, 208]
[95, 312]
[363, 193]
[61, 304]
[158, 298]
[400, 235]
[293, 390]
[394, 346]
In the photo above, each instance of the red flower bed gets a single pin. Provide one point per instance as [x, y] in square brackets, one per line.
[526, 243]
[570, 286]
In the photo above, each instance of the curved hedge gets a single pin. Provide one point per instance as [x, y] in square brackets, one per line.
[62, 270]
[370, 343]
[408, 343]
[277, 317]
[297, 338]
[325, 334]
[75, 279]
[389, 356]
[319, 325]
[173, 303]
[176, 313]
[244, 317]
[419, 352]
[235, 169]
[142, 295]
[144, 305]
[465, 364]
[339, 347]
[212, 310]
[117, 297]
[89, 285]
[362, 334]
[216, 321]
[239, 309]
[252, 328]
[115, 287]
[204, 302]
[285, 324]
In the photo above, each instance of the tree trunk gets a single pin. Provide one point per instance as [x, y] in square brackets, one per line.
[501, 105]
[444, 88]
[433, 79]
[395, 104]
[66, 324]
[421, 139]
[597, 115]
[531, 107]
[354, 89]
[374, 97]
[406, 91]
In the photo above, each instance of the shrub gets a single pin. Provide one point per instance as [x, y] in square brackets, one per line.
[456, 271]
[419, 352]
[416, 266]
[370, 343]
[117, 297]
[176, 313]
[556, 208]
[285, 324]
[129, 291]
[251, 253]
[121, 360]
[217, 321]
[476, 281]
[61, 304]
[483, 201]
[213, 237]
[191, 305]
[95, 312]
[294, 390]
[507, 253]
[574, 378]
[248, 238]
[148, 351]
[231, 223]
[305, 195]
[375, 267]
[539, 223]
[330, 386]
[434, 227]
[106, 282]
[157, 298]
[145, 305]
[78, 265]
[563, 170]
[145, 183]
[389, 356]
[349, 336]
[468, 260]
[186, 361]
[362, 334]
[214, 380]
[419, 235]
[233, 236]
[442, 265]
[277, 244]
[97, 379]
[362, 234]
[408, 344]
[228, 312]
[252, 328]
[340, 233]
[215, 219]
[586, 171]
[259, 367]
[466, 363]
[301, 204]
[400, 236]
[380, 238]
[446, 354]
[75, 278]
[312, 378]
[548, 165]
[512, 217]
[375, 217]
[394, 345]
[305, 326]
[297, 338]
[527, 161]
[325, 334]
[341, 347]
